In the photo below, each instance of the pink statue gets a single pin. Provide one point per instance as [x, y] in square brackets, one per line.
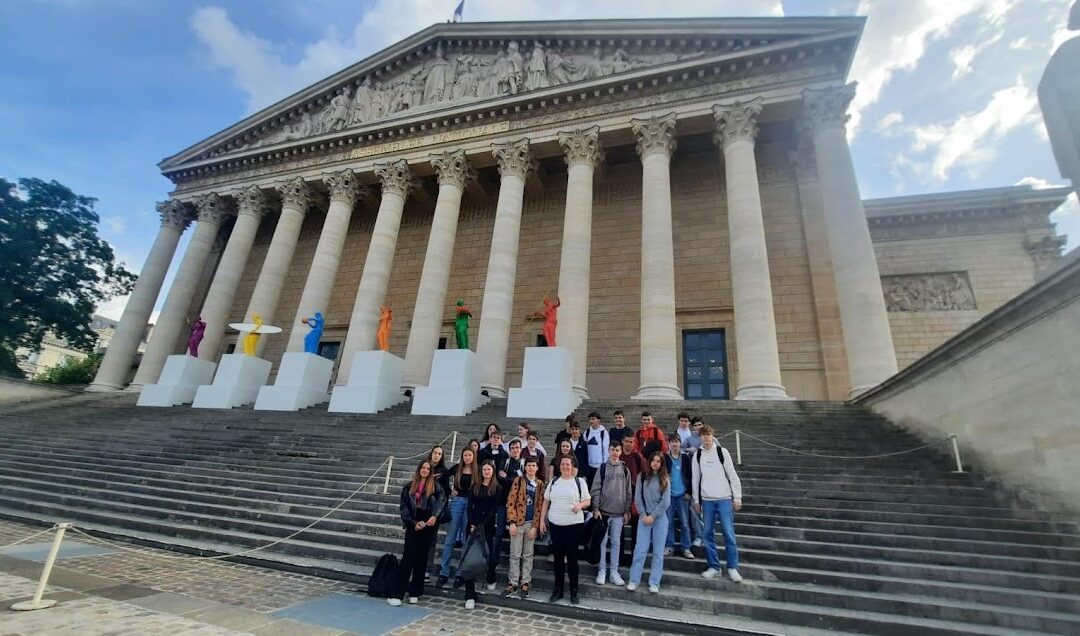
[198, 329]
[551, 308]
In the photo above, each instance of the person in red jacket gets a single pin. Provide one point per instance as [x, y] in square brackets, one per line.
[650, 437]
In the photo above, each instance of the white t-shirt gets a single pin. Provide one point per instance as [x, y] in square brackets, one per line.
[563, 494]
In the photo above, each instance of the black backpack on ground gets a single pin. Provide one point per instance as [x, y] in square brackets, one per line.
[381, 583]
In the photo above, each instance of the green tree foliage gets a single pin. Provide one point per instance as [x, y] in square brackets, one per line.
[72, 371]
[54, 268]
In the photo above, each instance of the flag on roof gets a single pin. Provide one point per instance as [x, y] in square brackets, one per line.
[458, 11]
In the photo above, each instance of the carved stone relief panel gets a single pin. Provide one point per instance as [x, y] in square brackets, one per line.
[939, 291]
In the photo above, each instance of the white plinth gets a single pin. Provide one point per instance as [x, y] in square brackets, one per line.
[454, 386]
[236, 383]
[547, 385]
[301, 382]
[179, 380]
[374, 384]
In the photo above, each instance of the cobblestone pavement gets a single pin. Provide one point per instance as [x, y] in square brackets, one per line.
[127, 593]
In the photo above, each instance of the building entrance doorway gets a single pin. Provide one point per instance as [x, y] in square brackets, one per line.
[705, 364]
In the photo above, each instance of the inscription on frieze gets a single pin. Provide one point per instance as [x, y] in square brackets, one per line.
[939, 291]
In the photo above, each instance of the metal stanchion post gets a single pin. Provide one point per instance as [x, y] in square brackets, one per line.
[453, 446]
[738, 448]
[37, 602]
[389, 467]
[956, 453]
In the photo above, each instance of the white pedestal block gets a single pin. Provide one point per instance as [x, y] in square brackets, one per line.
[374, 384]
[454, 386]
[547, 385]
[179, 380]
[301, 382]
[236, 383]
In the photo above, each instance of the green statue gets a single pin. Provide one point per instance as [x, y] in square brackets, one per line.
[461, 325]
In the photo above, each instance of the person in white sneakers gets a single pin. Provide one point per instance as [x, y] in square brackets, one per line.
[612, 496]
[652, 496]
[717, 494]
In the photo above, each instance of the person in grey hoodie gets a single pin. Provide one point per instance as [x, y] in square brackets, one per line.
[611, 500]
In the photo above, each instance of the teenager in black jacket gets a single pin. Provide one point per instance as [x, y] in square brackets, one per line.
[485, 499]
[422, 501]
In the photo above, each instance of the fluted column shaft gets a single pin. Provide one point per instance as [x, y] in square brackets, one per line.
[583, 151]
[345, 190]
[219, 299]
[112, 373]
[295, 196]
[172, 321]
[659, 367]
[867, 335]
[396, 182]
[453, 170]
[496, 313]
[751, 285]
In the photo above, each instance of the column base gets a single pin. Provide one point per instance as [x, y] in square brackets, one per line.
[133, 388]
[581, 392]
[658, 392]
[493, 391]
[301, 382]
[103, 387]
[180, 379]
[374, 384]
[762, 392]
[856, 391]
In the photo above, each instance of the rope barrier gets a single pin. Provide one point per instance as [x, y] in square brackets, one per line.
[802, 452]
[25, 539]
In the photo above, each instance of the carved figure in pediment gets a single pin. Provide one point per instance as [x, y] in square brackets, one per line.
[440, 78]
[378, 101]
[516, 64]
[498, 81]
[466, 81]
[560, 70]
[593, 66]
[399, 97]
[362, 103]
[336, 114]
[620, 62]
[303, 128]
[537, 76]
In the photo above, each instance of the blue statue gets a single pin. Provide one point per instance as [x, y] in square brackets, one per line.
[311, 341]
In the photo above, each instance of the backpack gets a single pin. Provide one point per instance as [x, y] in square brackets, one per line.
[603, 474]
[381, 583]
[719, 454]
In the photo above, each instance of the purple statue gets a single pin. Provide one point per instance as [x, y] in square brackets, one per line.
[198, 329]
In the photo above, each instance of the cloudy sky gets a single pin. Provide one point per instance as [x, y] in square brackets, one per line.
[96, 92]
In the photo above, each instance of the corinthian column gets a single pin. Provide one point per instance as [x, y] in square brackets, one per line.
[453, 170]
[113, 371]
[751, 286]
[295, 196]
[219, 300]
[659, 371]
[396, 182]
[583, 151]
[867, 336]
[515, 159]
[345, 190]
[212, 210]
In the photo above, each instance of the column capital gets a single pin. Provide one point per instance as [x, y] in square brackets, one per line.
[295, 193]
[251, 201]
[515, 158]
[655, 135]
[396, 177]
[214, 208]
[582, 146]
[827, 107]
[344, 186]
[174, 214]
[452, 168]
[736, 121]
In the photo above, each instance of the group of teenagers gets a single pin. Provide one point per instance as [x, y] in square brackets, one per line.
[644, 480]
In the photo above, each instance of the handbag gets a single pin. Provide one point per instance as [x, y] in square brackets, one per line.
[474, 558]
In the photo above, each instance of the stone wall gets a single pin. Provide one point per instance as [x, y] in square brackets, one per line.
[1007, 387]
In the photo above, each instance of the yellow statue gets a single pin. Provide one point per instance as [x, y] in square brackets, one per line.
[251, 341]
[386, 316]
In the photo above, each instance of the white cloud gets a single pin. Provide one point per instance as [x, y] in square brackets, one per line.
[116, 224]
[969, 140]
[888, 122]
[1020, 44]
[962, 57]
[261, 71]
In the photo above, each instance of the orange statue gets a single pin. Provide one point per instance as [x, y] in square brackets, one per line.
[386, 317]
[551, 308]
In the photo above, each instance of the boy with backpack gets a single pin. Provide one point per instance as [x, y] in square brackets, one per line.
[717, 494]
[612, 497]
[523, 515]
[650, 437]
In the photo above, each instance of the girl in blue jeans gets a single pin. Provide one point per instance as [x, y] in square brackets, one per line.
[652, 497]
[458, 485]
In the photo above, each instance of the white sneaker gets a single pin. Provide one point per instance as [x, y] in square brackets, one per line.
[394, 602]
[601, 577]
[616, 579]
[470, 604]
[491, 587]
[655, 589]
[734, 575]
[710, 573]
[630, 587]
[413, 600]
[698, 543]
[687, 554]
[668, 552]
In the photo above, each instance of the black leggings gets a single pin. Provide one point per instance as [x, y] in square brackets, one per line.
[565, 543]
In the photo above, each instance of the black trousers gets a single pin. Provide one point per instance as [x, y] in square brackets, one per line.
[565, 545]
[489, 536]
[410, 573]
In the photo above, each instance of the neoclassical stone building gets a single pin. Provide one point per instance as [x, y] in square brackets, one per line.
[684, 186]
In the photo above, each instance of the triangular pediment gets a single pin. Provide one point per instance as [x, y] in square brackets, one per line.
[457, 65]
